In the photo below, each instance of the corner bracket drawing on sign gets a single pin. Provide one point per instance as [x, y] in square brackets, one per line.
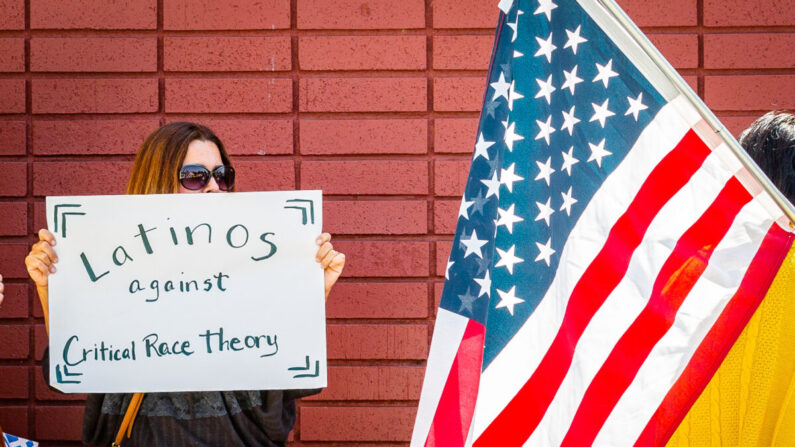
[303, 209]
[63, 216]
[60, 377]
[306, 368]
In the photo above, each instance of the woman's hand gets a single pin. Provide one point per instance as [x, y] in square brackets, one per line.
[41, 263]
[331, 260]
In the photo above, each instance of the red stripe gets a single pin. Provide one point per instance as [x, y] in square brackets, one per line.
[518, 420]
[676, 279]
[453, 417]
[721, 337]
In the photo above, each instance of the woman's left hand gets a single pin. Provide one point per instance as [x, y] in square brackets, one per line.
[331, 260]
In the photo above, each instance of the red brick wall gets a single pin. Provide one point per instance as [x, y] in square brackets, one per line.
[374, 101]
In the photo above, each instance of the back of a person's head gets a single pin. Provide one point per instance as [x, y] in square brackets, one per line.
[770, 141]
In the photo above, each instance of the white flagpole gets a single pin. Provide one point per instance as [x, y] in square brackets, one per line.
[685, 89]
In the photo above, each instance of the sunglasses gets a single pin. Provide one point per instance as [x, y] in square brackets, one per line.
[195, 177]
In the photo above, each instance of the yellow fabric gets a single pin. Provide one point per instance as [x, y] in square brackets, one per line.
[751, 399]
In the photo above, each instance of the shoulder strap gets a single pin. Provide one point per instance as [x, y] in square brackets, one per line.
[129, 418]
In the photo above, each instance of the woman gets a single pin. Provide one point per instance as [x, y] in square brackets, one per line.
[186, 158]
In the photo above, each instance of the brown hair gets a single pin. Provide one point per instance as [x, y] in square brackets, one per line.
[161, 155]
[771, 143]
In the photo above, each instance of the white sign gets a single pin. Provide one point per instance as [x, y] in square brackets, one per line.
[187, 292]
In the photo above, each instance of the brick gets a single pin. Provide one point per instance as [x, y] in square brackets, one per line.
[15, 303]
[84, 137]
[59, 423]
[40, 341]
[437, 296]
[455, 135]
[39, 215]
[362, 94]
[15, 382]
[357, 423]
[465, 14]
[229, 95]
[366, 177]
[458, 94]
[13, 93]
[209, 53]
[750, 92]
[14, 342]
[681, 50]
[384, 258]
[462, 52]
[736, 124]
[95, 14]
[445, 216]
[94, 95]
[382, 136]
[15, 420]
[769, 13]
[749, 50]
[12, 54]
[12, 14]
[12, 260]
[660, 13]
[450, 177]
[362, 53]
[12, 134]
[43, 391]
[270, 175]
[59, 178]
[443, 249]
[13, 218]
[376, 217]
[226, 15]
[377, 341]
[692, 81]
[378, 300]
[93, 54]
[14, 181]
[250, 136]
[372, 383]
[354, 14]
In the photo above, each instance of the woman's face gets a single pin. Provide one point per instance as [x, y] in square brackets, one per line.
[204, 153]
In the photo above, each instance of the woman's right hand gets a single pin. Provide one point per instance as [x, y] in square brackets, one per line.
[41, 259]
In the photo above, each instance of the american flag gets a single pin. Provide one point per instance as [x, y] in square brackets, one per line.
[609, 248]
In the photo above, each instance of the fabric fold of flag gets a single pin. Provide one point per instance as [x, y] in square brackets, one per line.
[609, 248]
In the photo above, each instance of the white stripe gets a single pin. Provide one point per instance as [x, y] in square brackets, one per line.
[513, 366]
[447, 335]
[693, 321]
[630, 297]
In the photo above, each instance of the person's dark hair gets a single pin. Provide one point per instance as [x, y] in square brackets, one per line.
[161, 155]
[771, 143]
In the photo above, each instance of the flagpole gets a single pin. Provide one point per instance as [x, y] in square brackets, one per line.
[707, 114]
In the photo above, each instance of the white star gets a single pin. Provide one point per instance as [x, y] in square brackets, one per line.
[545, 251]
[545, 89]
[517, 54]
[513, 95]
[574, 39]
[505, 123]
[508, 178]
[485, 285]
[500, 87]
[511, 136]
[605, 72]
[473, 245]
[493, 186]
[598, 152]
[508, 218]
[463, 211]
[515, 25]
[544, 211]
[505, 5]
[508, 299]
[568, 201]
[545, 170]
[508, 259]
[568, 161]
[571, 79]
[481, 147]
[635, 106]
[447, 270]
[601, 112]
[569, 120]
[545, 47]
[545, 7]
[545, 129]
